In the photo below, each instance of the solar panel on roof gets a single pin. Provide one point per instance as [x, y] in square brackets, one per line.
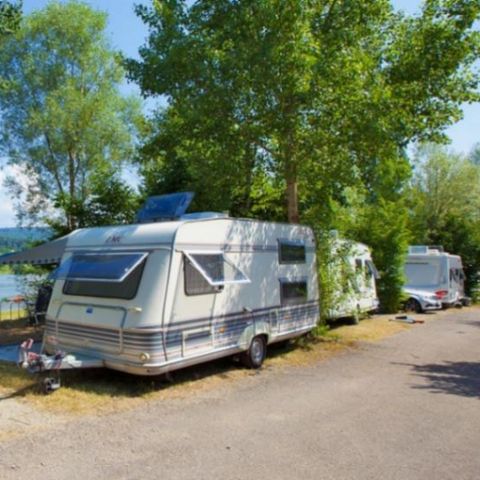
[163, 208]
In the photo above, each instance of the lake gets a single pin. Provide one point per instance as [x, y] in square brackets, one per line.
[9, 286]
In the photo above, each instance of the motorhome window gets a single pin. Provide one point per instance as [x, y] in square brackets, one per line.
[291, 252]
[293, 293]
[424, 274]
[372, 269]
[358, 266]
[125, 289]
[195, 283]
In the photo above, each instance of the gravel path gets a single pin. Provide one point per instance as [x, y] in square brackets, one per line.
[403, 408]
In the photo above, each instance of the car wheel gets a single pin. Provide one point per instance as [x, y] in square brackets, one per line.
[413, 305]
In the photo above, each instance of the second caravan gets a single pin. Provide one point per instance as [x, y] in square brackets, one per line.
[353, 279]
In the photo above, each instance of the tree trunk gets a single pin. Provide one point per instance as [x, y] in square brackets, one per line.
[292, 195]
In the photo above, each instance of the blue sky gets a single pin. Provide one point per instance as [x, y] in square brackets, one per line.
[126, 32]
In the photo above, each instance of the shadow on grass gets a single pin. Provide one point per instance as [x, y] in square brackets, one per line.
[111, 383]
[18, 330]
[454, 378]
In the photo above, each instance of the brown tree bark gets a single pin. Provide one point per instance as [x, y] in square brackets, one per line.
[292, 194]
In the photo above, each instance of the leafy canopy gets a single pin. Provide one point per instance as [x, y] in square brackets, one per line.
[324, 91]
[63, 118]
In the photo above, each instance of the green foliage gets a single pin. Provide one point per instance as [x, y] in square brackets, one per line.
[337, 277]
[475, 154]
[304, 105]
[321, 95]
[444, 202]
[382, 224]
[63, 118]
[110, 202]
[10, 15]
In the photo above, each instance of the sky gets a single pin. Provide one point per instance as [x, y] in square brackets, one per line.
[127, 33]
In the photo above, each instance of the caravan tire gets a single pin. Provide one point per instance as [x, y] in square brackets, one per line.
[255, 355]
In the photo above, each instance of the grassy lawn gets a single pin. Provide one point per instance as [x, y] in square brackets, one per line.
[18, 329]
[104, 391]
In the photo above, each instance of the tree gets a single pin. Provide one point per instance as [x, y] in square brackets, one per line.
[475, 154]
[110, 202]
[302, 86]
[311, 98]
[63, 118]
[10, 15]
[444, 203]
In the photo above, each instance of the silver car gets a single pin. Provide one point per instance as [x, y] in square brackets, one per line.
[421, 300]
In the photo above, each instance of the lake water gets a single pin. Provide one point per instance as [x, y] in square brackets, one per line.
[9, 286]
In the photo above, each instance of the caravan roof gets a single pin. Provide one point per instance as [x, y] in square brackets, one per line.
[162, 234]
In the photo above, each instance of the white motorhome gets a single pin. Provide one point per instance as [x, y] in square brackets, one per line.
[430, 270]
[153, 297]
[354, 278]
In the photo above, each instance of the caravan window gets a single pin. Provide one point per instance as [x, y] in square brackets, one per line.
[372, 270]
[107, 267]
[291, 252]
[293, 292]
[208, 272]
[108, 275]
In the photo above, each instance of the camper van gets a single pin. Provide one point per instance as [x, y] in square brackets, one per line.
[156, 296]
[435, 273]
[354, 278]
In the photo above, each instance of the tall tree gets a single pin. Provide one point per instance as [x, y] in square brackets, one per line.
[63, 118]
[306, 99]
[309, 88]
[444, 203]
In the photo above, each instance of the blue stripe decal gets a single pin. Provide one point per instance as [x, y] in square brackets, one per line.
[218, 332]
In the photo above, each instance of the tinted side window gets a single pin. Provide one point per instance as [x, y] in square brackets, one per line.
[293, 293]
[126, 290]
[291, 252]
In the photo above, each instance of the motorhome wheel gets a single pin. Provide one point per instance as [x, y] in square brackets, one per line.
[255, 355]
[356, 316]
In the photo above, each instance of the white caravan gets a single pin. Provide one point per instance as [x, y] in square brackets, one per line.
[154, 297]
[430, 270]
[354, 278]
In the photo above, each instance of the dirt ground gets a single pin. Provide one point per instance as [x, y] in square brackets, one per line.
[102, 392]
[356, 406]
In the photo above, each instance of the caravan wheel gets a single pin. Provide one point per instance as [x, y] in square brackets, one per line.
[255, 355]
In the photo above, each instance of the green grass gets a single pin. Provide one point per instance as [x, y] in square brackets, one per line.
[17, 314]
[99, 391]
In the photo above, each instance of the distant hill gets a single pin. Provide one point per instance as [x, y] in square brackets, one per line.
[17, 238]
